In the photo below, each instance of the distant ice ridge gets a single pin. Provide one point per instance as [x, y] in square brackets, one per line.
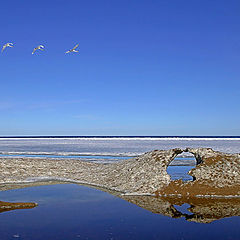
[135, 138]
[115, 146]
[159, 139]
[109, 154]
[87, 154]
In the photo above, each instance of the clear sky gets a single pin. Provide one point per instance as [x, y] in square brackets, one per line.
[144, 68]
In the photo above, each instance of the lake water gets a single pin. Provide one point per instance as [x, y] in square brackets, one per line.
[68, 211]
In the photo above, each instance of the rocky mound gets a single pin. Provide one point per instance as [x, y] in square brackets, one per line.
[216, 173]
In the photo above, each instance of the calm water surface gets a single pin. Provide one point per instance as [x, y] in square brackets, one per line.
[68, 211]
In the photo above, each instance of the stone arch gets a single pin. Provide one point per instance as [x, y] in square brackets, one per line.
[181, 164]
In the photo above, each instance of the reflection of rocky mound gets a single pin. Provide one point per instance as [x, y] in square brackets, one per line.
[203, 210]
[216, 173]
[7, 206]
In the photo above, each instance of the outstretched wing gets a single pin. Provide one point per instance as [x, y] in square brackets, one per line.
[34, 50]
[75, 47]
[4, 47]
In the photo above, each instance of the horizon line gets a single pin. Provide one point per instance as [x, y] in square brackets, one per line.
[120, 136]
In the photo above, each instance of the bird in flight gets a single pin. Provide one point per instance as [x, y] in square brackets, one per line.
[73, 49]
[40, 47]
[7, 45]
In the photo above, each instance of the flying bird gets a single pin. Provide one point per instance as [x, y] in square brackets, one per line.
[73, 49]
[7, 45]
[40, 47]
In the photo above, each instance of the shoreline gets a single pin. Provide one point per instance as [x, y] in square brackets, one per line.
[143, 175]
[54, 181]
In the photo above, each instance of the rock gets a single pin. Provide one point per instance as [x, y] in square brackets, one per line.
[7, 206]
[216, 173]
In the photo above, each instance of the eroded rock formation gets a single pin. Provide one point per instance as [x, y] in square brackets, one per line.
[216, 173]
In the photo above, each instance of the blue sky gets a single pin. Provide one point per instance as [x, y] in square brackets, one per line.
[144, 67]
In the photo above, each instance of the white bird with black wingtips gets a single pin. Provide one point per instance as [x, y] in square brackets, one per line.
[73, 49]
[40, 47]
[6, 45]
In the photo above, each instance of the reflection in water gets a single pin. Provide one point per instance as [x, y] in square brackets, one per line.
[201, 210]
[8, 206]
[70, 211]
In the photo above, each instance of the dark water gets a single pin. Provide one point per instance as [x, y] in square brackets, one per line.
[68, 211]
